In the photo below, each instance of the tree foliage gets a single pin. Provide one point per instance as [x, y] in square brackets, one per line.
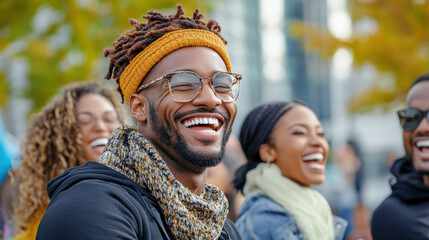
[397, 45]
[63, 40]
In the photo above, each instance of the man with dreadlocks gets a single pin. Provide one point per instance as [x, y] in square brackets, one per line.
[174, 73]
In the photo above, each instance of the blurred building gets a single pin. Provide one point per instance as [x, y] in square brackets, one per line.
[275, 66]
[307, 73]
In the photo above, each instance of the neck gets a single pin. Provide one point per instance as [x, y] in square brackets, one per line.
[426, 180]
[191, 176]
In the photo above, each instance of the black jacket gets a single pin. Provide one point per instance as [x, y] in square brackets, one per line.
[405, 213]
[96, 202]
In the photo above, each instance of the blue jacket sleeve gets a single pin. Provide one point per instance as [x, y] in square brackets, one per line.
[90, 210]
[261, 218]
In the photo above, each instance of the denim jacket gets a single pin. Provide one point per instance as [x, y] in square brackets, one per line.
[261, 218]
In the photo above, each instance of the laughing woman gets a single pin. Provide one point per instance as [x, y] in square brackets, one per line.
[68, 132]
[286, 154]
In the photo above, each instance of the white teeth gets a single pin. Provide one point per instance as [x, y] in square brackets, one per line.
[98, 142]
[424, 143]
[201, 121]
[314, 156]
[317, 165]
[208, 131]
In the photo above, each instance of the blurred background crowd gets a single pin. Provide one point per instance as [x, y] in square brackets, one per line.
[351, 61]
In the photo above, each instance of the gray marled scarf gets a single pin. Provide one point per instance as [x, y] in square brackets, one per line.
[187, 215]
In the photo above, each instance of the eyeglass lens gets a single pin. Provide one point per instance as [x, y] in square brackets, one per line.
[185, 86]
[411, 118]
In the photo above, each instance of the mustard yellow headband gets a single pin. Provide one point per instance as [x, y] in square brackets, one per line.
[141, 64]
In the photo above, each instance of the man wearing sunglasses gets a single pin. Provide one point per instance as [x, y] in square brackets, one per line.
[175, 74]
[405, 213]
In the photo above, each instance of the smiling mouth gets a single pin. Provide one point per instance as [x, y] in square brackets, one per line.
[423, 145]
[314, 161]
[101, 142]
[205, 124]
[313, 157]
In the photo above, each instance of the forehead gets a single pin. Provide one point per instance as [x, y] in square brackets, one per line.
[418, 96]
[202, 60]
[299, 115]
[93, 102]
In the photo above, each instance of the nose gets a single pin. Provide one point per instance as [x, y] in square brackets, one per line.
[207, 97]
[100, 125]
[317, 140]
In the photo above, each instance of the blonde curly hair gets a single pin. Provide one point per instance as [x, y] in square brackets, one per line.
[53, 144]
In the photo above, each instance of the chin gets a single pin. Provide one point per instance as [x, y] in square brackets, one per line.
[318, 181]
[90, 156]
[421, 165]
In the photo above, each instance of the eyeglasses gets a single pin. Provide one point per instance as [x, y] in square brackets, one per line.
[185, 86]
[410, 118]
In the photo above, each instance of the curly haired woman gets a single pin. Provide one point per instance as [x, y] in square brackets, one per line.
[71, 130]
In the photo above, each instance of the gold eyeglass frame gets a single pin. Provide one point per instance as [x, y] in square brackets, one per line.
[169, 76]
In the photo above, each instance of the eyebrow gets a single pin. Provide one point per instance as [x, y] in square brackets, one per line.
[186, 69]
[303, 125]
[191, 70]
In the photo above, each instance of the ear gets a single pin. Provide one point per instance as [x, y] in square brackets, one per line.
[138, 107]
[267, 153]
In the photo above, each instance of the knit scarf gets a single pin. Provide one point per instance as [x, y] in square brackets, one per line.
[309, 208]
[187, 215]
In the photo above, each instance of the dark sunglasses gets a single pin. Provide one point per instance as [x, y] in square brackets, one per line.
[410, 118]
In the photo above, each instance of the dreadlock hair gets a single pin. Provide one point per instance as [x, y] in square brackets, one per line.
[132, 42]
[255, 131]
[53, 144]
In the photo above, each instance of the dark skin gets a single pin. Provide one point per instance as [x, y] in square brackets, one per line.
[418, 98]
[205, 62]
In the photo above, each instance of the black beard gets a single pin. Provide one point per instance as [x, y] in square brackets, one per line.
[180, 145]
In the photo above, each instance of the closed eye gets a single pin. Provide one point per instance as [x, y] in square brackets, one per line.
[222, 88]
[298, 133]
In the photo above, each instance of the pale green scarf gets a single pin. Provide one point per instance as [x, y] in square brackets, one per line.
[309, 208]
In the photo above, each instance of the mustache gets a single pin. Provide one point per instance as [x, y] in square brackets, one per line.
[200, 110]
[419, 135]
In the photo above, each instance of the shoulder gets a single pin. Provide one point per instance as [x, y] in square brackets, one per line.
[262, 218]
[256, 204]
[97, 194]
[340, 226]
[99, 209]
[388, 219]
[391, 206]
[384, 210]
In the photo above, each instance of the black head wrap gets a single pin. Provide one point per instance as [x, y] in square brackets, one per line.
[255, 131]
